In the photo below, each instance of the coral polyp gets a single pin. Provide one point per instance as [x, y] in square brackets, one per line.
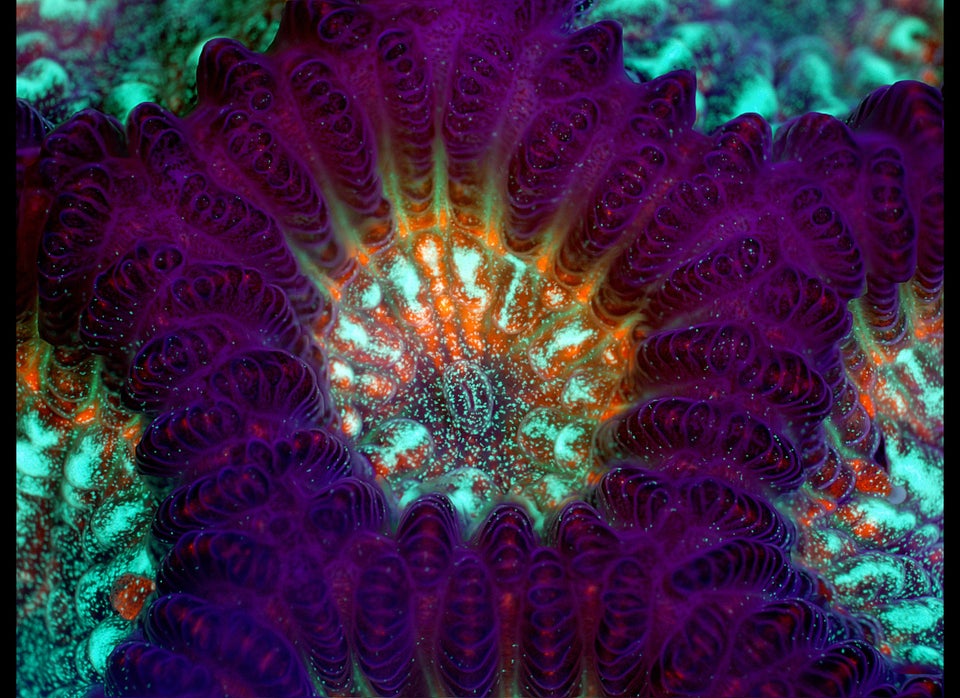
[461, 367]
[429, 353]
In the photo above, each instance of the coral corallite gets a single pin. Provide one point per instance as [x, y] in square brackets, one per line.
[454, 362]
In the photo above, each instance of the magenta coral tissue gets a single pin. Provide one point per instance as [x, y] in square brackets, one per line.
[431, 351]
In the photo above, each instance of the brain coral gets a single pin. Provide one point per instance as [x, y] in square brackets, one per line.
[430, 354]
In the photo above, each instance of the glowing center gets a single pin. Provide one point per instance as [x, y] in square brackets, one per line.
[461, 368]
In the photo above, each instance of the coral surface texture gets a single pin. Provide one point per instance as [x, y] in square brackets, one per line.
[438, 349]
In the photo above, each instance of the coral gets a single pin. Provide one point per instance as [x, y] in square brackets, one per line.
[450, 360]
[781, 59]
[113, 54]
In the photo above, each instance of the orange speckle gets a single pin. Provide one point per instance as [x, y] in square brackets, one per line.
[849, 514]
[934, 327]
[351, 423]
[866, 530]
[868, 405]
[878, 359]
[444, 307]
[32, 379]
[871, 478]
[585, 292]
[492, 241]
[129, 593]
[542, 263]
[375, 387]
[87, 415]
